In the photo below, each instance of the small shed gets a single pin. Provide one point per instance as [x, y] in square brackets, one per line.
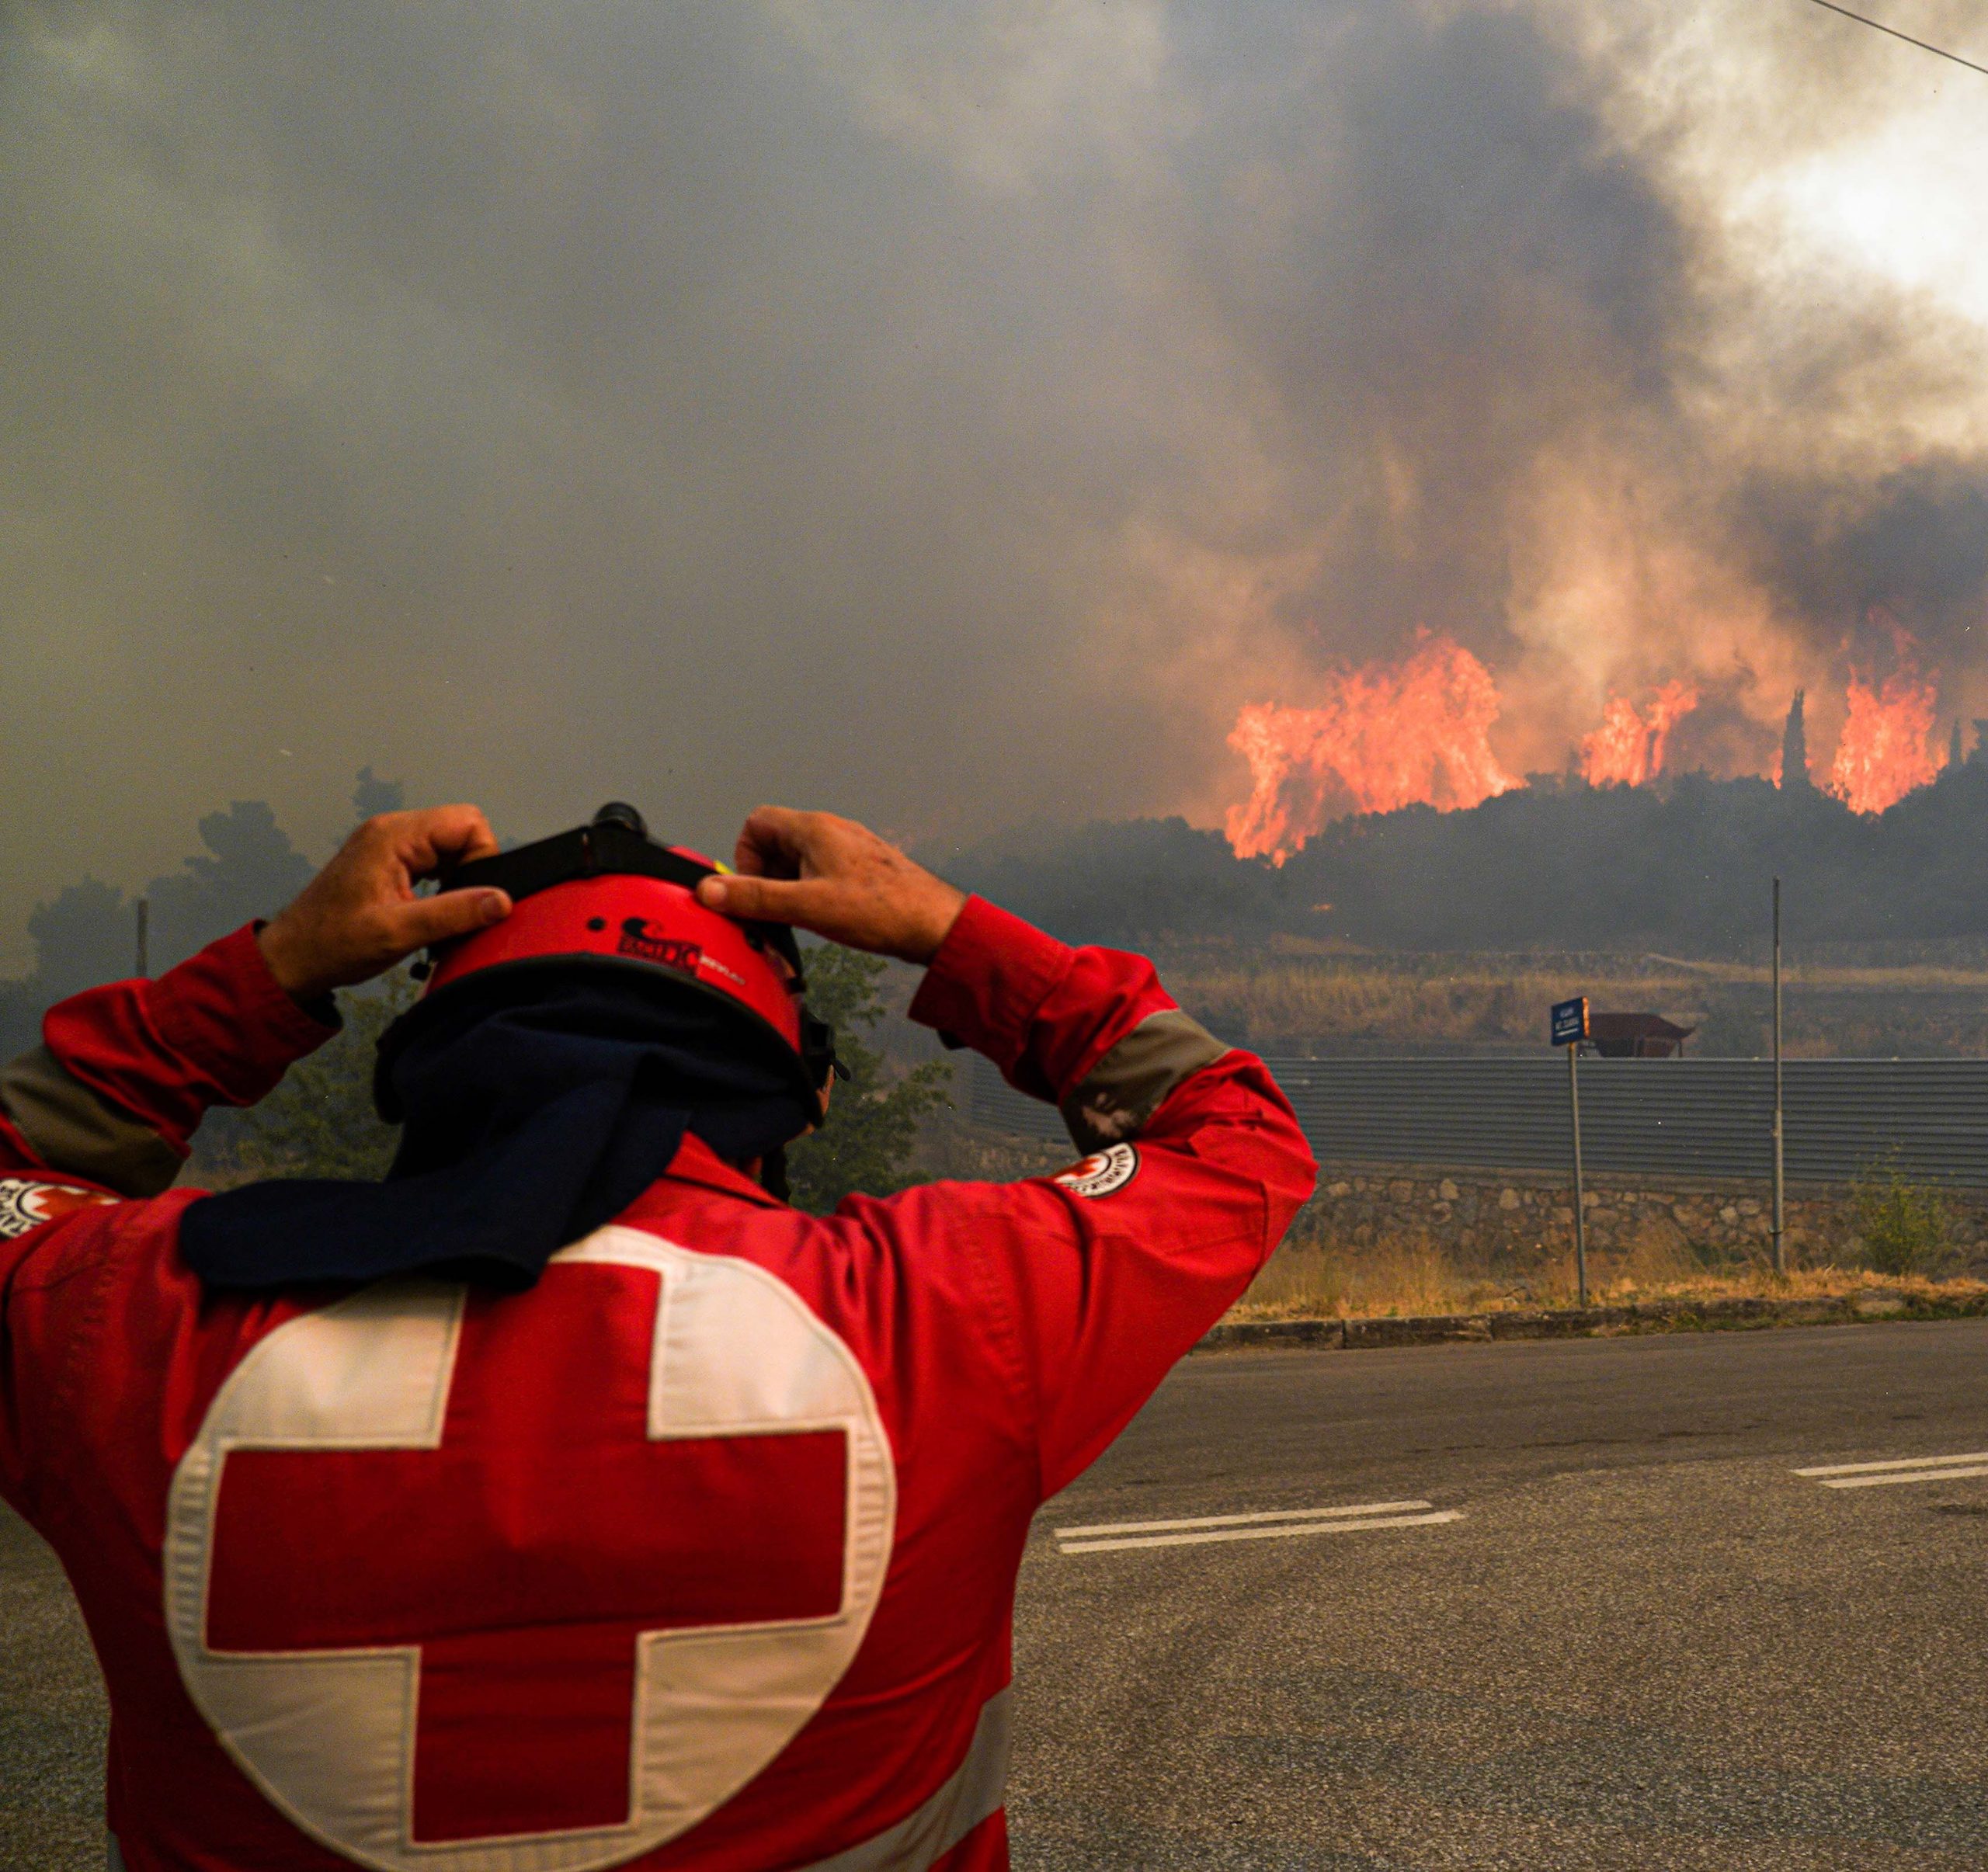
[1637, 1036]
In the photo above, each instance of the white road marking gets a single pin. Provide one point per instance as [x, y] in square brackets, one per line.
[1914, 1475]
[1903, 1462]
[1274, 1514]
[1283, 1530]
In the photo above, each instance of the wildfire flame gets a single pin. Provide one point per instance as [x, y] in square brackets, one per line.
[1883, 753]
[1387, 735]
[1627, 749]
[1417, 732]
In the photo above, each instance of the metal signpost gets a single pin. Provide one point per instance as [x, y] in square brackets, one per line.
[1568, 1025]
[144, 935]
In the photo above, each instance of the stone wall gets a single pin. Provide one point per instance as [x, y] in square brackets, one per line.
[1518, 1218]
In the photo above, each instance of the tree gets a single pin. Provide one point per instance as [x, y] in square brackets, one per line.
[88, 934]
[320, 1121]
[250, 869]
[1794, 748]
[873, 1122]
[372, 796]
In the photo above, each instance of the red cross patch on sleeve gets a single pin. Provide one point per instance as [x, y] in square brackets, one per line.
[25, 1204]
[1102, 1173]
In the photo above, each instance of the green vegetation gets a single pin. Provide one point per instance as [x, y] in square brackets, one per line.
[1680, 866]
[1312, 1276]
[866, 1147]
[320, 1121]
[87, 933]
[1253, 953]
[1904, 1225]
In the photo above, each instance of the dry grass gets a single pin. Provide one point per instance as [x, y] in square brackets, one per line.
[1309, 1281]
[1908, 977]
[1273, 1002]
[1323, 1280]
[1338, 1001]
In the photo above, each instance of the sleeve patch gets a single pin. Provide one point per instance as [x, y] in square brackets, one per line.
[1101, 1172]
[26, 1205]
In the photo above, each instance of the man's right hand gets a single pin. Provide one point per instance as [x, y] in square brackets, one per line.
[838, 879]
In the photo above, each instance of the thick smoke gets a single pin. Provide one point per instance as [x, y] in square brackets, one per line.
[952, 415]
[1908, 548]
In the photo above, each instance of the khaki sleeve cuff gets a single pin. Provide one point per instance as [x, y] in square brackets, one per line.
[1116, 1098]
[79, 1131]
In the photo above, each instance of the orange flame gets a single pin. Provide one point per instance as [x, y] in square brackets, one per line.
[1387, 735]
[1627, 749]
[1882, 754]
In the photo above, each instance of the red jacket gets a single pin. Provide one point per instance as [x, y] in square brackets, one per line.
[701, 1554]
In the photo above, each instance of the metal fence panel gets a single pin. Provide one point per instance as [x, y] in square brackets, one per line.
[994, 1105]
[1709, 1118]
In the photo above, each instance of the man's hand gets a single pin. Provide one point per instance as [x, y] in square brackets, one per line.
[359, 915]
[838, 879]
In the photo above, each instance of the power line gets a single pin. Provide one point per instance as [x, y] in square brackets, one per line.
[1879, 26]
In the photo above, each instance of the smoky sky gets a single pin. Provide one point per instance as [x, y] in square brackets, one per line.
[948, 415]
[1908, 547]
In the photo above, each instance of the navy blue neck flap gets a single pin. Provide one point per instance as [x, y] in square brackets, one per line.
[529, 1123]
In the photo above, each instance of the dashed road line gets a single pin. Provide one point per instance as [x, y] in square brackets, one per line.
[1899, 1469]
[1275, 1524]
[1273, 1514]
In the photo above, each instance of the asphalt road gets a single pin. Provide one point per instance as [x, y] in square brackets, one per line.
[1645, 1644]
[1621, 1633]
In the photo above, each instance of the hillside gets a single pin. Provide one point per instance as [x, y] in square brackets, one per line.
[1681, 867]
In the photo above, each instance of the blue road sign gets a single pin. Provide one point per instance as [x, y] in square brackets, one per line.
[1568, 1020]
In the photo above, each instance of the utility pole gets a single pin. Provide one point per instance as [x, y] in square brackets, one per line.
[1780, 1192]
[145, 935]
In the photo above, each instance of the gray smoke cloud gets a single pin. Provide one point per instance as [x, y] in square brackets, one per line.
[950, 415]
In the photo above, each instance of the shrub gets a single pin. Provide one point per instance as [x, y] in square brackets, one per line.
[865, 1146]
[320, 1121]
[1903, 1224]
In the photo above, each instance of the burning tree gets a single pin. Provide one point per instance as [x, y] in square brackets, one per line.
[1387, 735]
[1628, 747]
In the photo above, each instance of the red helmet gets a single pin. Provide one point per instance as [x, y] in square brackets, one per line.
[607, 893]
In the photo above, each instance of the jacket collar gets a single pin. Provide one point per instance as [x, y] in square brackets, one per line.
[696, 1163]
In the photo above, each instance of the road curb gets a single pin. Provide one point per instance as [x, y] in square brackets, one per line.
[1866, 1304]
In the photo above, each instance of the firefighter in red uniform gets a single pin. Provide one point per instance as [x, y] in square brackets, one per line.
[557, 1504]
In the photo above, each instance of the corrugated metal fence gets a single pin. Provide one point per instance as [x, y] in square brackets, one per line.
[1707, 1118]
